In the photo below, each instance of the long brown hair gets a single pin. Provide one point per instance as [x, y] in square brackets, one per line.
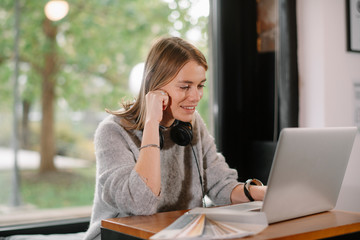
[165, 59]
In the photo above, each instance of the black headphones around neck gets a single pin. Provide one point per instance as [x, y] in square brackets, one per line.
[180, 133]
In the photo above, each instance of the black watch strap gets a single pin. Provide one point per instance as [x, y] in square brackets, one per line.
[247, 187]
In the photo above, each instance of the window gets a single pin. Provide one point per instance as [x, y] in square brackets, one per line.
[69, 71]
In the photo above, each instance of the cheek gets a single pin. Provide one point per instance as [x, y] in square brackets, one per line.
[177, 98]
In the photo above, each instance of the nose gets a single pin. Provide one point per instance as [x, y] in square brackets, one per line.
[195, 95]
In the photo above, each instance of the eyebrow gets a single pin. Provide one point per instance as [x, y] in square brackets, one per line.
[188, 81]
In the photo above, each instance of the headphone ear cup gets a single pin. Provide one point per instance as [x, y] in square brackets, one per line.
[181, 134]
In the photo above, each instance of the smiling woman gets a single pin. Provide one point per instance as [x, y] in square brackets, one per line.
[142, 168]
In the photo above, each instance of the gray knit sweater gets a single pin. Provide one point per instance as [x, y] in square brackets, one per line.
[120, 191]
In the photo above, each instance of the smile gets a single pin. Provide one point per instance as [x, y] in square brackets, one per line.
[189, 108]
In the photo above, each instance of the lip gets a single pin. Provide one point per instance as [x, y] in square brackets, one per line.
[189, 109]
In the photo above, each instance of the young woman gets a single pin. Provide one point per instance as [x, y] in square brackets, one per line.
[156, 154]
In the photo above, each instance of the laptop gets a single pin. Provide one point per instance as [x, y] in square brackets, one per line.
[307, 172]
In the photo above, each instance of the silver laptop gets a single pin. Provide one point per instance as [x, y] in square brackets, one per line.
[307, 171]
[306, 174]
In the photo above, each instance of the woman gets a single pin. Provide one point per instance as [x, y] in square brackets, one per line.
[140, 168]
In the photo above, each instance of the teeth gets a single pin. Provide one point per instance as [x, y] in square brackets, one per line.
[190, 108]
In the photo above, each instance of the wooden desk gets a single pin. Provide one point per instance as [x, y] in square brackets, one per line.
[319, 226]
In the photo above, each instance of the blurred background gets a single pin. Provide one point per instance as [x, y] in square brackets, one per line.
[61, 64]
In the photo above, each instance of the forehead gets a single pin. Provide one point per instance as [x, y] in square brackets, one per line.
[191, 71]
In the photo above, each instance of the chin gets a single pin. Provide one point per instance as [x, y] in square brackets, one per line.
[185, 118]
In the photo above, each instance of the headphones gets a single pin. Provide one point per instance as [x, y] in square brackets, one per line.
[180, 133]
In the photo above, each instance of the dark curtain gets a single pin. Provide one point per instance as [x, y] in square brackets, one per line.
[287, 65]
[255, 94]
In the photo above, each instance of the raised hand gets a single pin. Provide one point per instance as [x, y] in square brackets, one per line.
[156, 102]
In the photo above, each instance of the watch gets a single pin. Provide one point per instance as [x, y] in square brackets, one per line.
[247, 184]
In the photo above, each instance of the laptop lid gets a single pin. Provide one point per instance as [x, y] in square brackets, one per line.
[307, 171]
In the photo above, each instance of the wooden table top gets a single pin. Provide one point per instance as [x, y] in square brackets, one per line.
[322, 225]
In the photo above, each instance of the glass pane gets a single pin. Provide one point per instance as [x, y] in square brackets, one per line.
[70, 70]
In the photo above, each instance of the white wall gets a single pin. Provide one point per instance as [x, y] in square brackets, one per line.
[327, 73]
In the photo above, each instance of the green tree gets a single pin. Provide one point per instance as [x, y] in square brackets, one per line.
[87, 55]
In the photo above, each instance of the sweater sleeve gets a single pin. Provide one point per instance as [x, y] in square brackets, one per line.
[219, 178]
[120, 187]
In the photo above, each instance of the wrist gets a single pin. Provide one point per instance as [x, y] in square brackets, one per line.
[151, 123]
[150, 133]
[251, 189]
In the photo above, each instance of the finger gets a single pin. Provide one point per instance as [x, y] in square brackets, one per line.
[166, 99]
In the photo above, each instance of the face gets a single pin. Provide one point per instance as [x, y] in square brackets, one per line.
[185, 92]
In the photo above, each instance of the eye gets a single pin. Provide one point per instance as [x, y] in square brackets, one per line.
[185, 87]
[201, 86]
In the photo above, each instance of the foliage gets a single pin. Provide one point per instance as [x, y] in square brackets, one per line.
[97, 44]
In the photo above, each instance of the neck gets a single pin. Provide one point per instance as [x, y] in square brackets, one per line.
[167, 122]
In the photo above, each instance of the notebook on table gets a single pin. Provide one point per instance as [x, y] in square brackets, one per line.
[307, 172]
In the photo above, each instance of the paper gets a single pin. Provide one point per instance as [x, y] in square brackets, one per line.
[215, 223]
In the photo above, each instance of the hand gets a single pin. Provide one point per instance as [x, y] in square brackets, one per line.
[258, 192]
[156, 102]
